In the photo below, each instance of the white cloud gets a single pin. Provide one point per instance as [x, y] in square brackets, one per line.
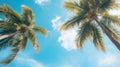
[29, 62]
[108, 60]
[41, 2]
[115, 12]
[56, 22]
[67, 38]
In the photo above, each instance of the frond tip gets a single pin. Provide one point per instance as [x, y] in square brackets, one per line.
[64, 26]
[41, 30]
[72, 6]
[26, 8]
[32, 36]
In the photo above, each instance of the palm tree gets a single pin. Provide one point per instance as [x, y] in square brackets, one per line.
[16, 29]
[92, 17]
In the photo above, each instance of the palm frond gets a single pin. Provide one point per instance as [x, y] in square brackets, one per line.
[115, 6]
[84, 5]
[114, 28]
[27, 10]
[23, 43]
[32, 37]
[6, 31]
[108, 4]
[97, 38]
[94, 3]
[113, 34]
[73, 21]
[7, 26]
[84, 33]
[8, 40]
[72, 6]
[4, 43]
[10, 14]
[40, 29]
[21, 40]
[27, 15]
[105, 4]
[14, 48]
[111, 19]
[5, 37]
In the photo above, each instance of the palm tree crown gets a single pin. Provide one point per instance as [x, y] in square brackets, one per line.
[16, 29]
[92, 17]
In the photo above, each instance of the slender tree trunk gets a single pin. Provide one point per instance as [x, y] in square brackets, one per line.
[117, 44]
[7, 35]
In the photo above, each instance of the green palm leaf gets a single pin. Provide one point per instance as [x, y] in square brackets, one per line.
[111, 19]
[27, 15]
[72, 6]
[14, 47]
[73, 21]
[105, 4]
[40, 29]
[84, 5]
[97, 38]
[4, 43]
[84, 33]
[32, 36]
[10, 14]
[24, 43]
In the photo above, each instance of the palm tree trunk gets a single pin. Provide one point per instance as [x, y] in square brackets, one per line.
[7, 35]
[117, 44]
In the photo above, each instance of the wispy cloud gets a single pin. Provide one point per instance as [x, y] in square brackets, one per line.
[56, 22]
[41, 2]
[28, 62]
[108, 60]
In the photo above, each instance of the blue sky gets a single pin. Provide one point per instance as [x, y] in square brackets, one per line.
[58, 49]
